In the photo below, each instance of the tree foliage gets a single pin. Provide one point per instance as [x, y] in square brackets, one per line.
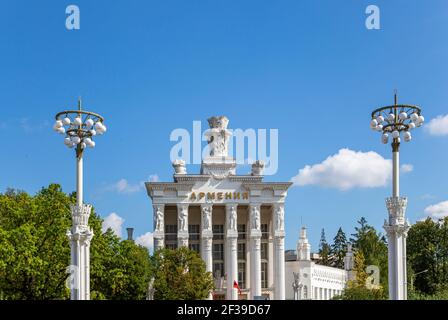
[324, 250]
[180, 275]
[373, 246]
[361, 293]
[35, 251]
[357, 289]
[360, 269]
[338, 249]
[427, 249]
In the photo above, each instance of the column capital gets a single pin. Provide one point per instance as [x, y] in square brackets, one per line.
[80, 215]
[396, 230]
[231, 205]
[206, 205]
[277, 205]
[182, 206]
[158, 206]
[279, 241]
[397, 208]
[81, 235]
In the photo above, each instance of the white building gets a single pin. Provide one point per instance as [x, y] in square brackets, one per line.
[307, 280]
[236, 222]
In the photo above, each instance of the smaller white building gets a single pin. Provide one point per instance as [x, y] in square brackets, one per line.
[306, 280]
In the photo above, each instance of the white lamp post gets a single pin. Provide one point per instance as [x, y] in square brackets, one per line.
[79, 128]
[393, 122]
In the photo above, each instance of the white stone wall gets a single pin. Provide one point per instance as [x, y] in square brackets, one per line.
[320, 282]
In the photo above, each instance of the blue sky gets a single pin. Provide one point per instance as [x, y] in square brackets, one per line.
[308, 68]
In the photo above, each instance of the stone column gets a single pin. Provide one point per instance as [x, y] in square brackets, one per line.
[159, 226]
[80, 236]
[182, 225]
[207, 238]
[279, 251]
[255, 250]
[396, 230]
[232, 249]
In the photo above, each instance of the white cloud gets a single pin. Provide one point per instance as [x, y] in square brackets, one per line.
[405, 168]
[123, 186]
[347, 169]
[427, 196]
[31, 125]
[438, 126]
[146, 240]
[437, 211]
[113, 221]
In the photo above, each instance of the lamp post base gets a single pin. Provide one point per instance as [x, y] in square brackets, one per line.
[396, 229]
[80, 236]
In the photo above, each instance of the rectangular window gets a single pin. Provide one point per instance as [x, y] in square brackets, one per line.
[171, 232]
[264, 231]
[195, 247]
[241, 251]
[218, 232]
[241, 231]
[218, 251]
[218, 270]
[264, 251]
[171, 228]
[242, 275]
[172, 246]
[193, 231]
[264, 275]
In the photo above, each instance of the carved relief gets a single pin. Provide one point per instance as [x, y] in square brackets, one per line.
[207, 218]
[218, 136]
[396, 207]
[183, 216]
[255, 217]
[258, 168]
[179, 166]
[280, 218]
[159, 219]
[232, 218]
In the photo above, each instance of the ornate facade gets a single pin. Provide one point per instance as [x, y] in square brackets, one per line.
[306, 280]
[235, 222]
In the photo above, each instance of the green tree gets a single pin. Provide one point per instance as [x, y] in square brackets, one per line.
[324, 250]
[360, 269]
[35, 251]
[356, 289]
[180, 275]
[338, 249]
[427, 249]
[373, 246]
[361, 293]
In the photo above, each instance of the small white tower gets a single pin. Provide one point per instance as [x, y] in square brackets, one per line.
[303, 246]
